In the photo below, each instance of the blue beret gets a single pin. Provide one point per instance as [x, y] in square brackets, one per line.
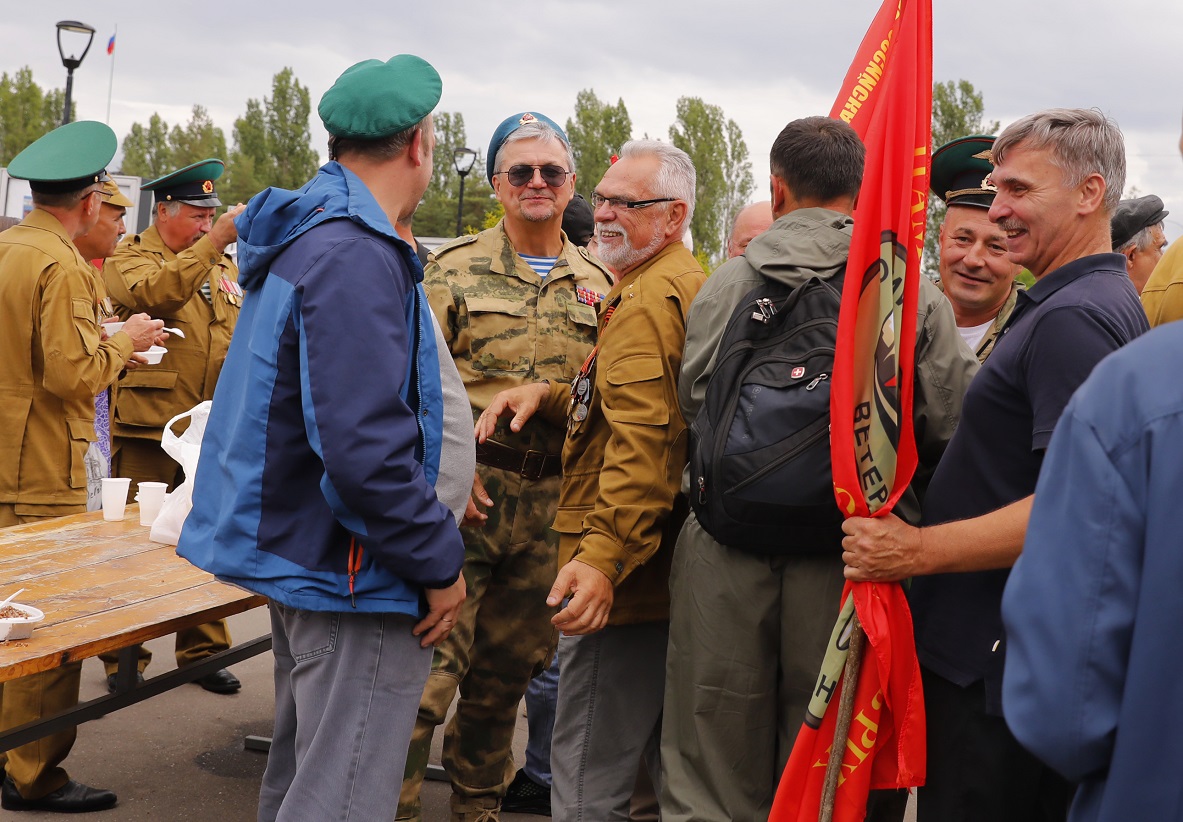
[508, 126]
[372, 99]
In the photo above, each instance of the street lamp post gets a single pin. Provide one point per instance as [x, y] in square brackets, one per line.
[463, 159]
[72, 62]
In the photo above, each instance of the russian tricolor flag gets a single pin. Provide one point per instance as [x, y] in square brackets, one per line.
[111, 45]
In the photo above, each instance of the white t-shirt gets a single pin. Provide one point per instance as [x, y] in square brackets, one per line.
[974, 334]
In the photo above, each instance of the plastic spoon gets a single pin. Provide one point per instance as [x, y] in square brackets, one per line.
[11, 597]
[176, 331]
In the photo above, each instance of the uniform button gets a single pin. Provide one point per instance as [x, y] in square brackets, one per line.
[619, 567]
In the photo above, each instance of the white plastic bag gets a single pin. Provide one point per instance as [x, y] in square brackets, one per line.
[185, 449]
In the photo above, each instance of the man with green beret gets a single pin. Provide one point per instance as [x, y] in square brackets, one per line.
[55, 363]
[977, 274]
[316, 484]
[178, 271]
[517, 304]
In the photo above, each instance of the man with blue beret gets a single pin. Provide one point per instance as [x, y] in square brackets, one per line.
[316, 481]
[177, 270]
[54, 364]
[517, 304]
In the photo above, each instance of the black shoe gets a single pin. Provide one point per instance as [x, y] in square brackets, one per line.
[73, 797]
[220, 682]
[111, 681]
[524, 795]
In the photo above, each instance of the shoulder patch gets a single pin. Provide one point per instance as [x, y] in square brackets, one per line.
[459, 242]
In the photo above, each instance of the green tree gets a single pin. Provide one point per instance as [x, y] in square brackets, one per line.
[724, 174]
[272, 142]
[26, 112]
[147, 152]
[957, 111]
[597, 131]
[197, 140]
[436, 215]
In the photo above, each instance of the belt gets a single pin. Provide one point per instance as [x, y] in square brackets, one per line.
[530, 464]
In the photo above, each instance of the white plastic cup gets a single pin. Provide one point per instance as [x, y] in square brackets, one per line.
[150, 498]
[115, 497]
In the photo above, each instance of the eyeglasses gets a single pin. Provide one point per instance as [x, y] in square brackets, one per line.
[616, 203]
[553, 176]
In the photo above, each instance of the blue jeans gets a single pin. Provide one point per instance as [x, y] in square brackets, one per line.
[541, 697]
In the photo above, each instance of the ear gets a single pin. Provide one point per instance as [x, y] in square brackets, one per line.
[1092, 193]
[417, 150]
[780, 196]
[675, 224]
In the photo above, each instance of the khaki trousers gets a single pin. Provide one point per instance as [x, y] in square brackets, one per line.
[35, 767]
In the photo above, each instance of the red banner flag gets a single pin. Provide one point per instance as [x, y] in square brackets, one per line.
[887, 98]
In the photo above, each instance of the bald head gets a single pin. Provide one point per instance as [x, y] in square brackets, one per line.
[751, 221]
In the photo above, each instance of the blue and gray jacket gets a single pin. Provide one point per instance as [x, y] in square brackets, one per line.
[316, 480]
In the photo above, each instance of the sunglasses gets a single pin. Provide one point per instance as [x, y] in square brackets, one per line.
[616, 203]
[553, 176]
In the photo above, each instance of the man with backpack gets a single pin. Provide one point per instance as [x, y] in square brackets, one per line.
[751, 615]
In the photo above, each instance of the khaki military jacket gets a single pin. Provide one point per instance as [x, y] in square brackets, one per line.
[620, 509]
[1008, 307]
[506, 326]
[144, 275]
[53, 365]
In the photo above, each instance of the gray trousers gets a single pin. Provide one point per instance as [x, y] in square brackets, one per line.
[347, 688]
[747, 636]
[608, 720]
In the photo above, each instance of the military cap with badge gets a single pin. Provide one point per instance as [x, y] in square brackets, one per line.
[69, 158]
[961, 171]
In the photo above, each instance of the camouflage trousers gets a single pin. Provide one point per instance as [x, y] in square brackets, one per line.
[503, 637]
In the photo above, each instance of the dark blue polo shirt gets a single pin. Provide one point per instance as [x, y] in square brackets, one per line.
[1061, 327]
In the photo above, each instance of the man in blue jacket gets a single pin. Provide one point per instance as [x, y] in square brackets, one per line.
[316, 481]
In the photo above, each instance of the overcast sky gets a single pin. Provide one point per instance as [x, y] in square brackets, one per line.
[764, 63]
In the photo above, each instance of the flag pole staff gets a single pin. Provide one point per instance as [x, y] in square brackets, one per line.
[111, 81]
[854, 660]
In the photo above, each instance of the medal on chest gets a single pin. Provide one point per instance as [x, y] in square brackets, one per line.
[232, 290]
[582, 385]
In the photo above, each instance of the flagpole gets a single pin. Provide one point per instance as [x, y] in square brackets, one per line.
[854, 661]
[111, 81]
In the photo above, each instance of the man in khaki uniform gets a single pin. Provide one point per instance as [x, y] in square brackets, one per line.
[178, 271]
[516, 304]
[977, 274]
[620, 506]
[53, 366]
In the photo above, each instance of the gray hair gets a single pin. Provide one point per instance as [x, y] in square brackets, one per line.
[536, 130]
[1142, 240]
[172, 208]
[675, 178]
[1081, 141]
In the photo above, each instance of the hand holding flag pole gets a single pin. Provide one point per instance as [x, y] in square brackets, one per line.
[887, 98]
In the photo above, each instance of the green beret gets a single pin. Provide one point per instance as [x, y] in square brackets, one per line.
[372, 99]
[193, 184]
[69, 158]
[959, 171]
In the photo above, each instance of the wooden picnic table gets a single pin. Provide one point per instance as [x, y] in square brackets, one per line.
[104, 586]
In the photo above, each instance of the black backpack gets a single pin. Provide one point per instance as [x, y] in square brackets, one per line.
[760, 474]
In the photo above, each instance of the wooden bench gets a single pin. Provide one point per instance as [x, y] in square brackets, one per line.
[104, 586]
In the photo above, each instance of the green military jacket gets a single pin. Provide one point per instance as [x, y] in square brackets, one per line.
[144, 275]
[506, 326]
[54, 364]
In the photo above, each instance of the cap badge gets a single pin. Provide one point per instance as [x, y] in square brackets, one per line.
[988, 184]
[208, 187]
[527, 118]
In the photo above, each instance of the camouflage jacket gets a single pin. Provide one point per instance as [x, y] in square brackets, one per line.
[506, 326]
[987, 343]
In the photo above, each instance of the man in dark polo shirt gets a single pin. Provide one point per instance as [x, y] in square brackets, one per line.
[1059, 175]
